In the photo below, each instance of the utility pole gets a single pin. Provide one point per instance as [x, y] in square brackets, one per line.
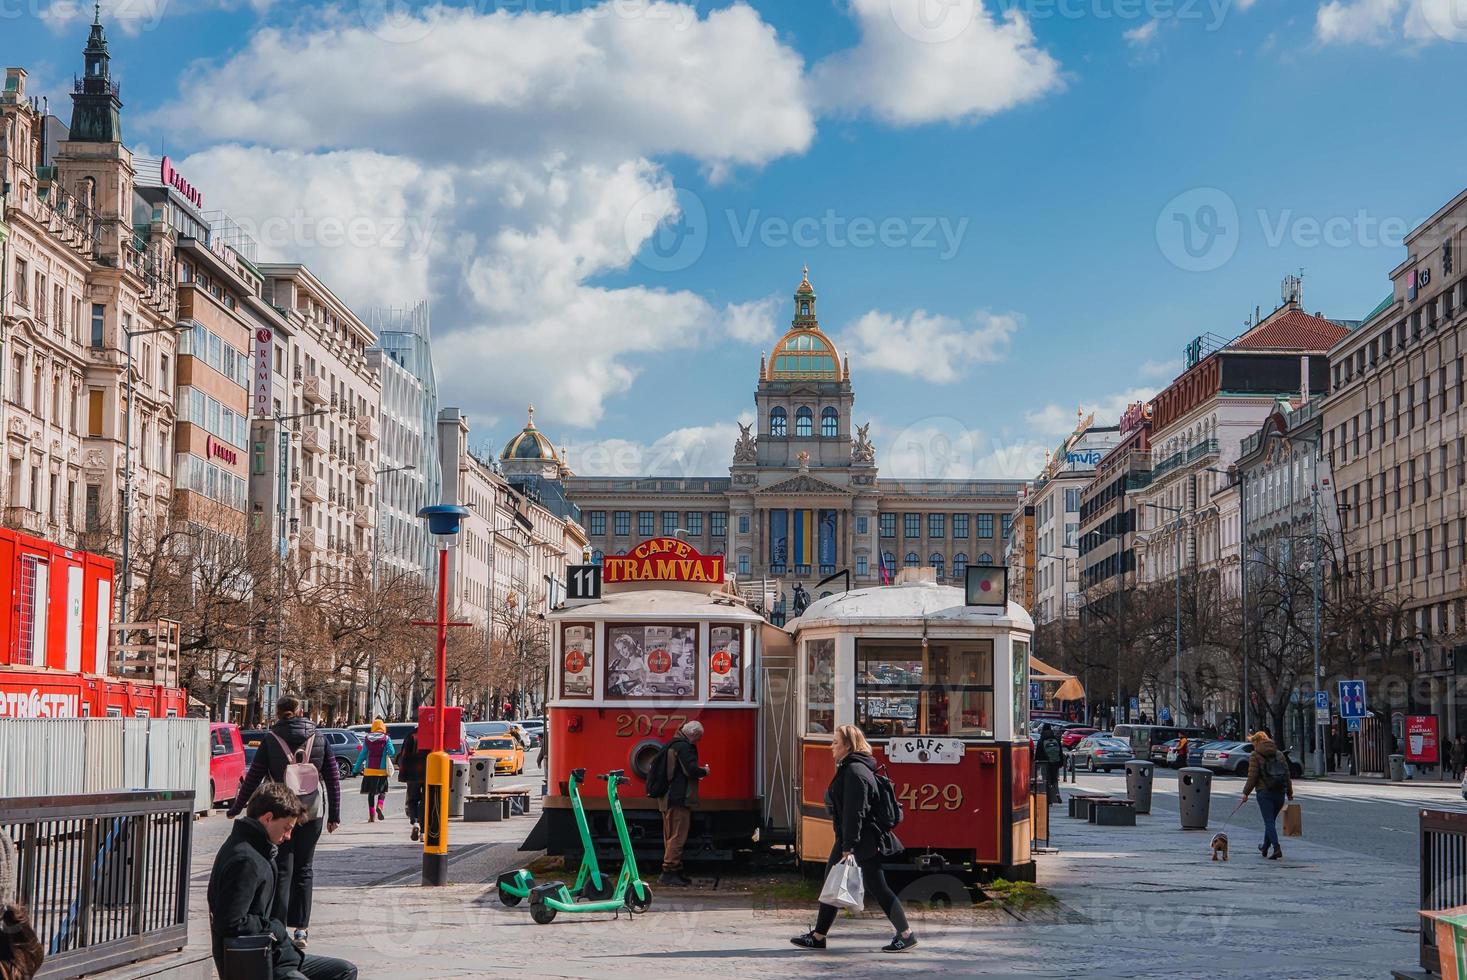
[1319, 732]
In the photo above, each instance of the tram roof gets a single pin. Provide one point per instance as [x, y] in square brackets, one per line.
[911, 602]
[665, 604]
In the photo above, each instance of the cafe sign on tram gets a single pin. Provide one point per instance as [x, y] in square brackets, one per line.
[663, 560]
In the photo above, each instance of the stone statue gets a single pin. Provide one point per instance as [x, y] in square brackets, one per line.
[801, 599]
[861, 449]
[746, 450]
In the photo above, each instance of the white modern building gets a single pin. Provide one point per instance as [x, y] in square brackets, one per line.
[1056, 503]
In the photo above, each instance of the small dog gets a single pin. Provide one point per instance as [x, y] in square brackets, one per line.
[1219, 846]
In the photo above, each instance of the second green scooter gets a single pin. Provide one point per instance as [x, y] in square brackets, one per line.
[631, 892]
[591, 881]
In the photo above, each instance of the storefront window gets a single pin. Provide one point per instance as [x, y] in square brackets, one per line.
[820, 687]
[651, 661]
[725, 663]
[577, 660]
[944, 689]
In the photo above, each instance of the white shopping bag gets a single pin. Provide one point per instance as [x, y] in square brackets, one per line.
[844, 887]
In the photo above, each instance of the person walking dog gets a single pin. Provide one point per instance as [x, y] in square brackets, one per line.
[375, 758]
[850, 800]
[1268, 772]
[296, 756]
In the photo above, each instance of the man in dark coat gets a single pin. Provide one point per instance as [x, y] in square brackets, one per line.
[295, 864]
[683, 774]
[412, 772]
[242, 889]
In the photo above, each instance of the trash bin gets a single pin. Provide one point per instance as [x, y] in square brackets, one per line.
[1194, 796]
[481, 775]
[1138, 783]
[458, 785]
[1398, 768]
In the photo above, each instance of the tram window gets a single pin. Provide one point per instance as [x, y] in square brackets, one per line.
[1021, 689]
[577, 660]
[819, 687]
[652, 661]
[725, 663]
[904, 689]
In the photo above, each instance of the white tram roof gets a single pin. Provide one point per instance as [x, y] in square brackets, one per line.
[909, 603]
[658, 604]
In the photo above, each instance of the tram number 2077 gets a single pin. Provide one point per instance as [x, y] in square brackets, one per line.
[930, 796]
[643, 726]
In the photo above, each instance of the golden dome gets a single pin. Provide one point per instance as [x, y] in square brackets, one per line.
[804, 353]
[529, 443]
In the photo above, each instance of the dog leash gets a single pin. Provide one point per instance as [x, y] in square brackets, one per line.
[1229, 817]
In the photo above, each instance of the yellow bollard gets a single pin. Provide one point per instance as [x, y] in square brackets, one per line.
[435, 819]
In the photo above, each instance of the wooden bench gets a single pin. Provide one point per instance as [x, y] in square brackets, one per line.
[500, 803]
[1114, 812]
[1080, 801]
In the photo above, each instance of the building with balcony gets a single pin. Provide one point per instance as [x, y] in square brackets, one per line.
[313, 387]
[1200, 420]
[1107, 532]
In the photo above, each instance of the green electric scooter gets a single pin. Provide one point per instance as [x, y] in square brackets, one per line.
[630, 893]
[591, 881]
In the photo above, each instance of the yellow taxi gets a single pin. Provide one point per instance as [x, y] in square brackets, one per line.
[508, 756]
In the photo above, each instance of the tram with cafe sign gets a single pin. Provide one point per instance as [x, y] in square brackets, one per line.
[937, 678]
[666, 641]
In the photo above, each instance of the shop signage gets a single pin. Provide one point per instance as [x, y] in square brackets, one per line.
[34, 702]
[175, 180]
[1135, 415]
[1417, 280]
[663, 560]
[263, 380]
[215, 449]
[1421, 738]
[1084, 457]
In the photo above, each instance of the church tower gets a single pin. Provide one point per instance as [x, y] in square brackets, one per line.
[96, 113]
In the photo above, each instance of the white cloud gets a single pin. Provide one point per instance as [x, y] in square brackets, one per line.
[1140, 37]
[1057, 421]
[1357, 21]
[946, 448]
[618, 80]
[1437, 20]
[928, 346]
[752, 322]
[1162, 370]
[910, 69]
[700, 450]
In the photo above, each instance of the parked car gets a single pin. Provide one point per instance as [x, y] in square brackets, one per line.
[1102, 752]
[508, 755]
[1071, 737]
[1195, 748]
[344, 745]
[1143, 737]
[226, 763]
[1232, 757]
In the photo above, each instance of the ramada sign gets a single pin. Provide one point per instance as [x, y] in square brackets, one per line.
[663, 560]
[175, 180]
[214, 448]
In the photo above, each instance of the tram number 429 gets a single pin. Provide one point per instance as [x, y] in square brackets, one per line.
[643, 726]
[930, 796]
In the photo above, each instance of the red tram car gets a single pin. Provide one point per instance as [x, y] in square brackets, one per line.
[56, 625]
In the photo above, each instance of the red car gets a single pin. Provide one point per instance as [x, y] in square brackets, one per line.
[226, 763]
[1070, 737]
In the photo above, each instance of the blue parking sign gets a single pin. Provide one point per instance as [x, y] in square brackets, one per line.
[1352, 699]
[1321, 700]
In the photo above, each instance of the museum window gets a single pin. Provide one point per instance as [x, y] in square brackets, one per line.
[862, 567]
[804, 422]
[1007, 524]
[888, 525]
[743, 523]
[906, 687]
[985, 559]
[888, 562]
[829, 423]
[622, 522]
[937, 525]
[912, 525]
[985, 525]
[669, 523]
[937, 562]
[863, 525]
[912, 561]
[778, 422]
[598, 521]
[960, 565]
[960, 525]
[646, 523]
[694, 520]
[743, 565]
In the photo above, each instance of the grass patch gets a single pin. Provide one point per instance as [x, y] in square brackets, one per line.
[796, 890]
[545, 866]
[1020, 896]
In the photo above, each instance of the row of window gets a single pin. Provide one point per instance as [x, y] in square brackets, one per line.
[205, 478]
[1388, 492]
[1422, 553]
[672, 522]
[202, 409]
[936, 525]
[1401, 414]
[210, 348]
[804, 422]
[1408, 329]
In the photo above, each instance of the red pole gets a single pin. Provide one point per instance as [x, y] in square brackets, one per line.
[440, 685]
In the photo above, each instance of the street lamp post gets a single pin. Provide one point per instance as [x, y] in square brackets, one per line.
[1178, 579]
[445, 521]
[179, 327]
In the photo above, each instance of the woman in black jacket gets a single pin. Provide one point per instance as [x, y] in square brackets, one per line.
[295, 862]
[849, 800]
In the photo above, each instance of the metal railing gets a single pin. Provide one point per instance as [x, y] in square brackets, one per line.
[1443, 874]
[105, 875]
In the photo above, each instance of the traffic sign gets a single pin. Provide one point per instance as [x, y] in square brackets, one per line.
[1352, 724]
[1352, 699]
[1135, 703]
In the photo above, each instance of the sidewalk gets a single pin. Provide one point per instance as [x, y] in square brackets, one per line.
[1133, 902]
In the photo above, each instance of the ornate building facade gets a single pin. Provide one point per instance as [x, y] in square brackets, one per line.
[803, 498]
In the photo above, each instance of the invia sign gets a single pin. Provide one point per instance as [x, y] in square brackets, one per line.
[1084, 457]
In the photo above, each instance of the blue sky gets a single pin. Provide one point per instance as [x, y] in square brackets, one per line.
[1008, 210]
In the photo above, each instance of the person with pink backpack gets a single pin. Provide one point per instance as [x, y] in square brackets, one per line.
[296, 757]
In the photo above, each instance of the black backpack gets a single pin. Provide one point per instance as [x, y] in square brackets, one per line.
[886, 810]
[658, 778]
[1276, 773]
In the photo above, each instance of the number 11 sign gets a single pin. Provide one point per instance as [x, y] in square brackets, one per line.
[582, 582]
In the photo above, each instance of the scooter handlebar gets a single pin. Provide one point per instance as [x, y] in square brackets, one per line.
[579, 775]
[616, 774]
